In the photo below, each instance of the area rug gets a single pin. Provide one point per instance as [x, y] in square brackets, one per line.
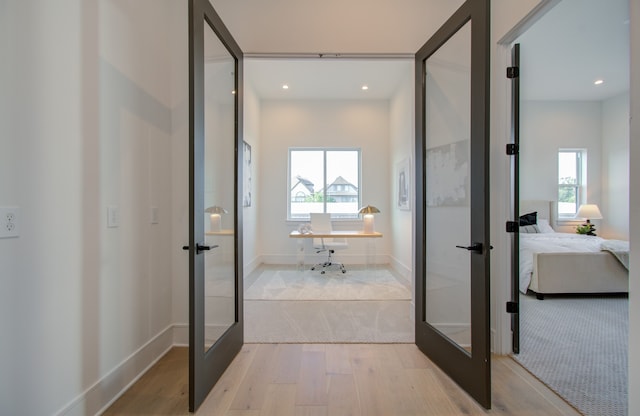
[376, 284]
[578, 346]
[328, 321]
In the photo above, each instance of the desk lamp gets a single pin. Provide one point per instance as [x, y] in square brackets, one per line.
[368, 212]
[215, 219]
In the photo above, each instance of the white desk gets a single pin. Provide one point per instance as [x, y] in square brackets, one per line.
[335, 234]
[332, 234]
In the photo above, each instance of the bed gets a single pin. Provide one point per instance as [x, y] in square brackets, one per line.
[552, 262]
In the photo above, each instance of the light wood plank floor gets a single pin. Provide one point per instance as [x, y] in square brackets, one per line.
[334, 380]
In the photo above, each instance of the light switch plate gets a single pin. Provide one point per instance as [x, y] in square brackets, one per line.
[9, 222]
[154, 215]
[113, 216]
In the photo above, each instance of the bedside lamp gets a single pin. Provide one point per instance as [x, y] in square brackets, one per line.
[215, 218]
[368, 212]
[589, 212]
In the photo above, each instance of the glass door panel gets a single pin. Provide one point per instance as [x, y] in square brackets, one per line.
[219, 188]
[447, 213]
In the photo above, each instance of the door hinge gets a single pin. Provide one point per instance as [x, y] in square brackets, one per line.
[512, 226]
[513, 72]
[512, 307]
[512, 149]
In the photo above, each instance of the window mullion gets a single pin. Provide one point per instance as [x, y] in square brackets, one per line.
[324, 185]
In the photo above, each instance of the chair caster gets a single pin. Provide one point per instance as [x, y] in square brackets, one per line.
[344, 271]
[322, 272]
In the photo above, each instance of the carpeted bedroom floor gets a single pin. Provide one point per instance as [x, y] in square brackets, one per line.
[361, 305]
[577, 345]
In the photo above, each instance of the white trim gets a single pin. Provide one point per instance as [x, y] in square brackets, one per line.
[404, 271]
[529, 20]
[100, 395]
[181, 335]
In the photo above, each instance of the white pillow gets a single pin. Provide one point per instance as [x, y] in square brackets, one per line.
[544, 227]
[529, 229]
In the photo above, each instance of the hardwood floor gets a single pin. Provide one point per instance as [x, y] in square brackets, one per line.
[334, 380]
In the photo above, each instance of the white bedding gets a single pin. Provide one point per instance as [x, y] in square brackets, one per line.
[552, 243]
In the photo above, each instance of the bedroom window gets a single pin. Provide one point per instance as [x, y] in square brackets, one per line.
[571, 181]
[323, 180]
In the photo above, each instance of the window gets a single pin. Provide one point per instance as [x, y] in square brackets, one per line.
[572, 180]
[323, 180]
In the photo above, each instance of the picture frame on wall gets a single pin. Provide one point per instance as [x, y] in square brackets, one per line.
[246, 174]
[403, 184]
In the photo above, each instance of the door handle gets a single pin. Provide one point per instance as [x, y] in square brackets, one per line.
[477, 247]
[200, 248]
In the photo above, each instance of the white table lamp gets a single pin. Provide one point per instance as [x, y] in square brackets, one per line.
[215, 217]
[368, 222]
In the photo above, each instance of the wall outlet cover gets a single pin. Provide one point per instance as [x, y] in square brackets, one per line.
[9, 222]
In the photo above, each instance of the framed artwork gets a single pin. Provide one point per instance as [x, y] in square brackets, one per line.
[403, 182]
[246, 174]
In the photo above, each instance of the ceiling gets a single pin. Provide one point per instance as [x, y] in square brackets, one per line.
[575, 43]
[327, 78]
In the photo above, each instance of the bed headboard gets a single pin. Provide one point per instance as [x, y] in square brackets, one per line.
[546, 209]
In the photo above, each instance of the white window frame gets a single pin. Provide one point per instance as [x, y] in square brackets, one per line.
[581, 177]
[334, 216]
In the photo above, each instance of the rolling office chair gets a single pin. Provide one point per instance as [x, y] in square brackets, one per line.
[321, 223]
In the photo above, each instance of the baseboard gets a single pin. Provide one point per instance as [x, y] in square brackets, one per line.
[403, 270]
[180, 335]
[252, 265]
[97, 398]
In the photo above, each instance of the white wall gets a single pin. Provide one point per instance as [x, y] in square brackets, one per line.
[615, 168]
[545, 127]
[85, 117]
[251, 237]
[329, 123]
[402, 146]
[180, 170]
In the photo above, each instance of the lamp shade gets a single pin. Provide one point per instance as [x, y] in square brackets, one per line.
[589, 211]
[216, 210]
[369, 210]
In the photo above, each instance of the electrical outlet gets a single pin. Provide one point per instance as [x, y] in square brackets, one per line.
[9, 222]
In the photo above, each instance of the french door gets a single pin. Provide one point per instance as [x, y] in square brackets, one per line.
[215, 209]
[452, 199]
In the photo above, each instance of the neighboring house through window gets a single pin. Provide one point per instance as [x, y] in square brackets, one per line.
[572, 181]
[325, 180]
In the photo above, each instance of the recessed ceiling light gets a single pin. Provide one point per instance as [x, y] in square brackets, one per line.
[598, 81]
[365, 87]
[285, 86]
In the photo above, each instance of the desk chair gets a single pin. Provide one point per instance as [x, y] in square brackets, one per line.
[321, 223]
